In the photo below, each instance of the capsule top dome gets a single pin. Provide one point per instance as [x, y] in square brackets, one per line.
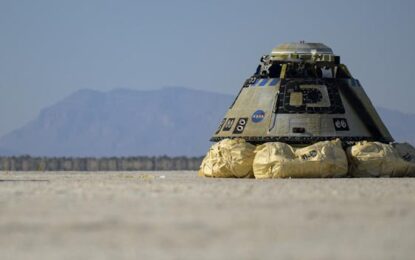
[302, 50]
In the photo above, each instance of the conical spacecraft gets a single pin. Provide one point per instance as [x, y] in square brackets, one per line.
[301, 94]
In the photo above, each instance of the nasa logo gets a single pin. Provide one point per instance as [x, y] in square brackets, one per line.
[258, 116]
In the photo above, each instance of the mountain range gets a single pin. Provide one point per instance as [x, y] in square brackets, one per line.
[170, 121]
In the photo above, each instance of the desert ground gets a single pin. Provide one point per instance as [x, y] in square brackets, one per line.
[178, 215]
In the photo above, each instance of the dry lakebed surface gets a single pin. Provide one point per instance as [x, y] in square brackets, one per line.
[178, 215]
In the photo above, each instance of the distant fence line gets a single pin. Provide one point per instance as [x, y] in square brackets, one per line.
[142, 163]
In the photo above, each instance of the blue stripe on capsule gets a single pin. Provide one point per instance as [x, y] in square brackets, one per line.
[263, 83]
[274, 82]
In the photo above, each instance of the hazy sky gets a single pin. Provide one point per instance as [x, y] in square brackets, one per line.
[49, 49]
